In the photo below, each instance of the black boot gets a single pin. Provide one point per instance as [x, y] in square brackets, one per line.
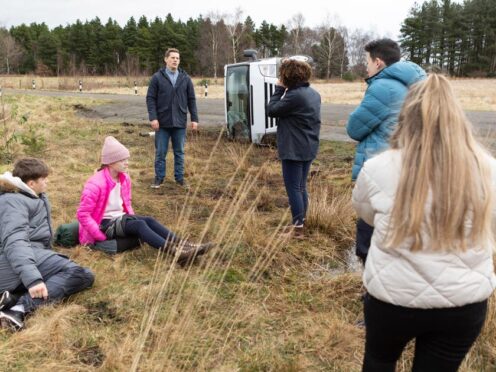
[13, 320]
[7, 300]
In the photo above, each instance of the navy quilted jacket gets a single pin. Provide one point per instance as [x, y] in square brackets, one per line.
[169, 104]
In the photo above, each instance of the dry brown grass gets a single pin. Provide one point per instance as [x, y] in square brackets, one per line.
[331, 211]
[101, 84]
[256, 302]
[474, 94]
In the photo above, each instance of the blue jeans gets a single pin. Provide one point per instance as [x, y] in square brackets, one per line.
[295, 175]
[62, 278]
[162, 136]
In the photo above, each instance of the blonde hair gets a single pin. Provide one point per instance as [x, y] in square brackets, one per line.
[442, 162]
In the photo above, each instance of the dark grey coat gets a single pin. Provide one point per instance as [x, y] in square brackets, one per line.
[298, 125]
[170, 104]
[25, 234]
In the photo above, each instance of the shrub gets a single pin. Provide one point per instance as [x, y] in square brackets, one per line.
[7, 133]
[33, 141]
[202, 82]
[349, 76]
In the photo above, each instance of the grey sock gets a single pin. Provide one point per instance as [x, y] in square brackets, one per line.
[18, 307]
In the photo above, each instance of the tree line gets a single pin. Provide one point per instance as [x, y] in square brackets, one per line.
[458, 38]
[206, 45]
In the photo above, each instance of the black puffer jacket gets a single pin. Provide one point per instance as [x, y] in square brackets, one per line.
[298, 125]
[170, 104]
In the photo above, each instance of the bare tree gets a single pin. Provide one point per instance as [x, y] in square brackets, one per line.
[343, 31]
[216, 29]
[309, 39]
[10, 51]
[60, 61]
[329, 42]
[296, 31]
[235, 28]
[131, 65]
[357, 40]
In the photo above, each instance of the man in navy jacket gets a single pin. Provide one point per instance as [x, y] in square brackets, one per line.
[170, 95]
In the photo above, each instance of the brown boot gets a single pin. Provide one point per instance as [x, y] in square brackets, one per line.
[293, 232]
[190, 251]
[299, 232]
[201, 249]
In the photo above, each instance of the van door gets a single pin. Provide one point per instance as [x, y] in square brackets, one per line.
[238, 115]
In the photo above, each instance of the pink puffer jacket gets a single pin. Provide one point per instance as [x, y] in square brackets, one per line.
[94, 199]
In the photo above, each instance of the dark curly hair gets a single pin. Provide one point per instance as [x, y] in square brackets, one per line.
[294, 72]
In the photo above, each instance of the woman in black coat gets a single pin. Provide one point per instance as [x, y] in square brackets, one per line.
[297, 108]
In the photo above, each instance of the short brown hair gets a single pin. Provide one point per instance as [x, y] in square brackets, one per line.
[28, 169]
[293, 72]
[171, 50]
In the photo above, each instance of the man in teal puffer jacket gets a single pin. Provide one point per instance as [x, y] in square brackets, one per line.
[373, 121]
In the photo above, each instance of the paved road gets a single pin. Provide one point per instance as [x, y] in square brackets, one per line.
[132, 109]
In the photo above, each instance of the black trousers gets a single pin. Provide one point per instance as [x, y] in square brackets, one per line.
[442, 336]
[146, 229]
[363, 237]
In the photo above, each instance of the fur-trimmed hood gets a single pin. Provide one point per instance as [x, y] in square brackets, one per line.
[9, 183]
[25, 233]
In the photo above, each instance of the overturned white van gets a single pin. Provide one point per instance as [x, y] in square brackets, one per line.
[248, 87]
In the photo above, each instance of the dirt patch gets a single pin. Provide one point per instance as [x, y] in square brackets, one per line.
[92, 356]
[102, 312]
[114, 112]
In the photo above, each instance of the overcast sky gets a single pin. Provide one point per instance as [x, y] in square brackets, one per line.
[384, 17]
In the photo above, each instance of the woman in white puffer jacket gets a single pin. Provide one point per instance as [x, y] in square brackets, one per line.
[430, 268]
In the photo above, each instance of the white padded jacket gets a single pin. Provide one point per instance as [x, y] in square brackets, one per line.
[424, 279]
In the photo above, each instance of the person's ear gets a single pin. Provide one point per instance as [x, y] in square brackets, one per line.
[30, 183]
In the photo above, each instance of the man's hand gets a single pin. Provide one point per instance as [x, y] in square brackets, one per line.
[194, 125]
[154, 124]
[39, 291]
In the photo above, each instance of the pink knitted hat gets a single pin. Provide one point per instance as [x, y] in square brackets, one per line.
[113, 151]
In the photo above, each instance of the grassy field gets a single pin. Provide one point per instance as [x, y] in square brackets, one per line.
[474, 94]
[256, 303]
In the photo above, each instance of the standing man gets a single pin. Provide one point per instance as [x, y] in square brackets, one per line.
[170, 95]
[373, 121]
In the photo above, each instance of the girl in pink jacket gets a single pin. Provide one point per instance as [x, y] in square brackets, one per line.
[105, 210]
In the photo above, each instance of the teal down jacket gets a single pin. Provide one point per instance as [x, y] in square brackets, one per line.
[372, 123]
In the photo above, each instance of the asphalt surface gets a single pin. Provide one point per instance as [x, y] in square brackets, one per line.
[119, 108]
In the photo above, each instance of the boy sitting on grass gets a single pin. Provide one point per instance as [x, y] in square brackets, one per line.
[31, 273]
